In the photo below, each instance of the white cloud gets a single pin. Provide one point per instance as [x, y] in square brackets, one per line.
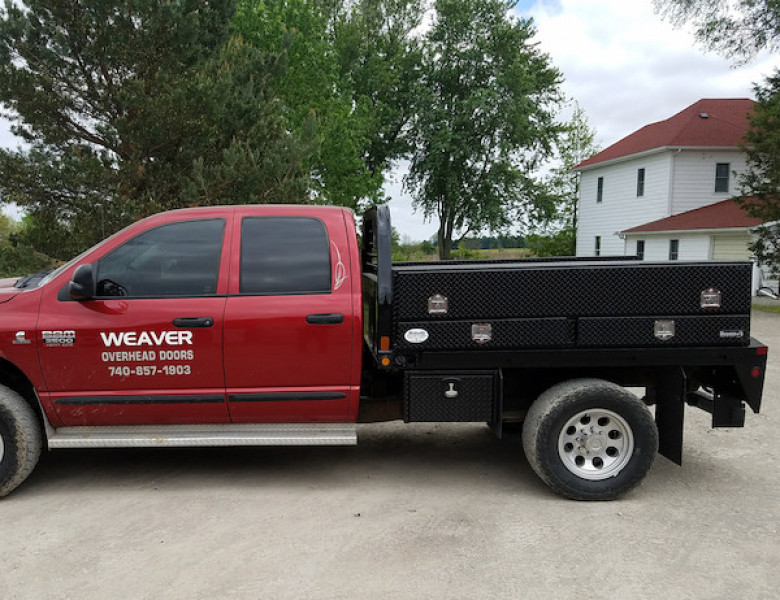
[627, 67]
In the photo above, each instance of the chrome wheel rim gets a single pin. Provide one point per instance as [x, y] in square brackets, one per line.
[2, 448]
[596, 444]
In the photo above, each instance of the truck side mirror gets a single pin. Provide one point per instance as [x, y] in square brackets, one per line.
[82, 285]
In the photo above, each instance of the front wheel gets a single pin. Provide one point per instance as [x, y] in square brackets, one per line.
[590, 439]
[20, 440]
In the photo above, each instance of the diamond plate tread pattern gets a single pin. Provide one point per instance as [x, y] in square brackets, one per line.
[639, 331]
[425, 401]
[548, 290]
[507, 333]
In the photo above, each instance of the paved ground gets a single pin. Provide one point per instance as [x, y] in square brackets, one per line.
[412, 512]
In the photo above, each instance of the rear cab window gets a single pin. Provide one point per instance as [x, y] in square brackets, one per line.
[283, 255]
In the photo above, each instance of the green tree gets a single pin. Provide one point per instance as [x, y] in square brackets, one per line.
[379, 53]
[574, 145]
[761, 181]
[483, 120]
[15, 258]
[315, 92]
[559, 243]
[737, 29]
[129, 108]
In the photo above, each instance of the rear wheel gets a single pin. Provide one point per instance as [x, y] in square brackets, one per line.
[20, 440]
[590, 439]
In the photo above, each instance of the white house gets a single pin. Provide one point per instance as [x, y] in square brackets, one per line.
[689, 161]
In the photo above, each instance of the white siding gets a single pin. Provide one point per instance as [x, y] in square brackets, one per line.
[693, 246]
[620, 208]
[693, 184]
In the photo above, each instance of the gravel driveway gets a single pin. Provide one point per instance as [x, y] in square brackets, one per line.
[414, 511]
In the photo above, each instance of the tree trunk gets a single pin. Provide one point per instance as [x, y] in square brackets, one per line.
[445, 239]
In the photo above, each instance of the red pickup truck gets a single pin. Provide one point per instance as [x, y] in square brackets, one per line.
[259, 325]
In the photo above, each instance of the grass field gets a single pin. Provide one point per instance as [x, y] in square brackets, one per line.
[766, 308]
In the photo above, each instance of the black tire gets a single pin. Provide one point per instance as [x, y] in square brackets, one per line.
[21, 440]
[590, 439]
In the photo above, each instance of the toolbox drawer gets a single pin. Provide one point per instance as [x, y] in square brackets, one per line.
[505, 334]
[449, 396]
[714, 330]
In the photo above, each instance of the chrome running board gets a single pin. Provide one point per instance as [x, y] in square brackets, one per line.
[229, 434]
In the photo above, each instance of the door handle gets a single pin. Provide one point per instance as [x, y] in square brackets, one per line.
[193, 322]
[325, 318]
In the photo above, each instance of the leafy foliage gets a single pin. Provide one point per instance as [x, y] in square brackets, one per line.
[15, 258]
[738, 29]
[483, 119]
[380, 54]
[574, 145]
[761, 181]
[560, 243]
[315, 93]
[131, 108]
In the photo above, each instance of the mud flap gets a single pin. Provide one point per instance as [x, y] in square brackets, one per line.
[670, 412]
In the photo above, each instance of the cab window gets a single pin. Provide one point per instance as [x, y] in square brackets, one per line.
[284, 255]
[174, 260]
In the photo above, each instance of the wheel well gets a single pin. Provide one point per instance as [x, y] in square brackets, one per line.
[12, 377]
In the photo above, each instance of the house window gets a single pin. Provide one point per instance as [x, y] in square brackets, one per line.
[640, 249]
[597, 246]
[640, 182]
[722, 177]
[600, 190]
[674, 249]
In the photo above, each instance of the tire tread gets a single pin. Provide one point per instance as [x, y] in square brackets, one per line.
[27, 440]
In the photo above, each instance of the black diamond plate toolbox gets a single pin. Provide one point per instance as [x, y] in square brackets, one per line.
[568, 289]
[450, 396]
[716, 330]
[505, 334]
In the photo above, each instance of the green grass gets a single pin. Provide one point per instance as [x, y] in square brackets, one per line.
[765, 308]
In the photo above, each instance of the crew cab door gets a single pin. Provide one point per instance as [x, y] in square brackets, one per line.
[290, 319]
[148, 347]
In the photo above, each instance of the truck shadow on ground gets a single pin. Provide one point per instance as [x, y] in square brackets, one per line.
[396, 454]
[391, 452]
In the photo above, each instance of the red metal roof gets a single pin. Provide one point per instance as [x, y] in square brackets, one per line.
[724, 126]
[722, 215]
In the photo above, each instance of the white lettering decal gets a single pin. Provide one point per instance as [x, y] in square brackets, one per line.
[146, 338]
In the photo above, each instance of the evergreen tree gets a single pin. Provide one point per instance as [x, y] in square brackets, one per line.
[128, 108]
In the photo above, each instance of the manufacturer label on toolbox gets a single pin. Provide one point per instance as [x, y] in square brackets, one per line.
[732, 334]
[416, 336]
